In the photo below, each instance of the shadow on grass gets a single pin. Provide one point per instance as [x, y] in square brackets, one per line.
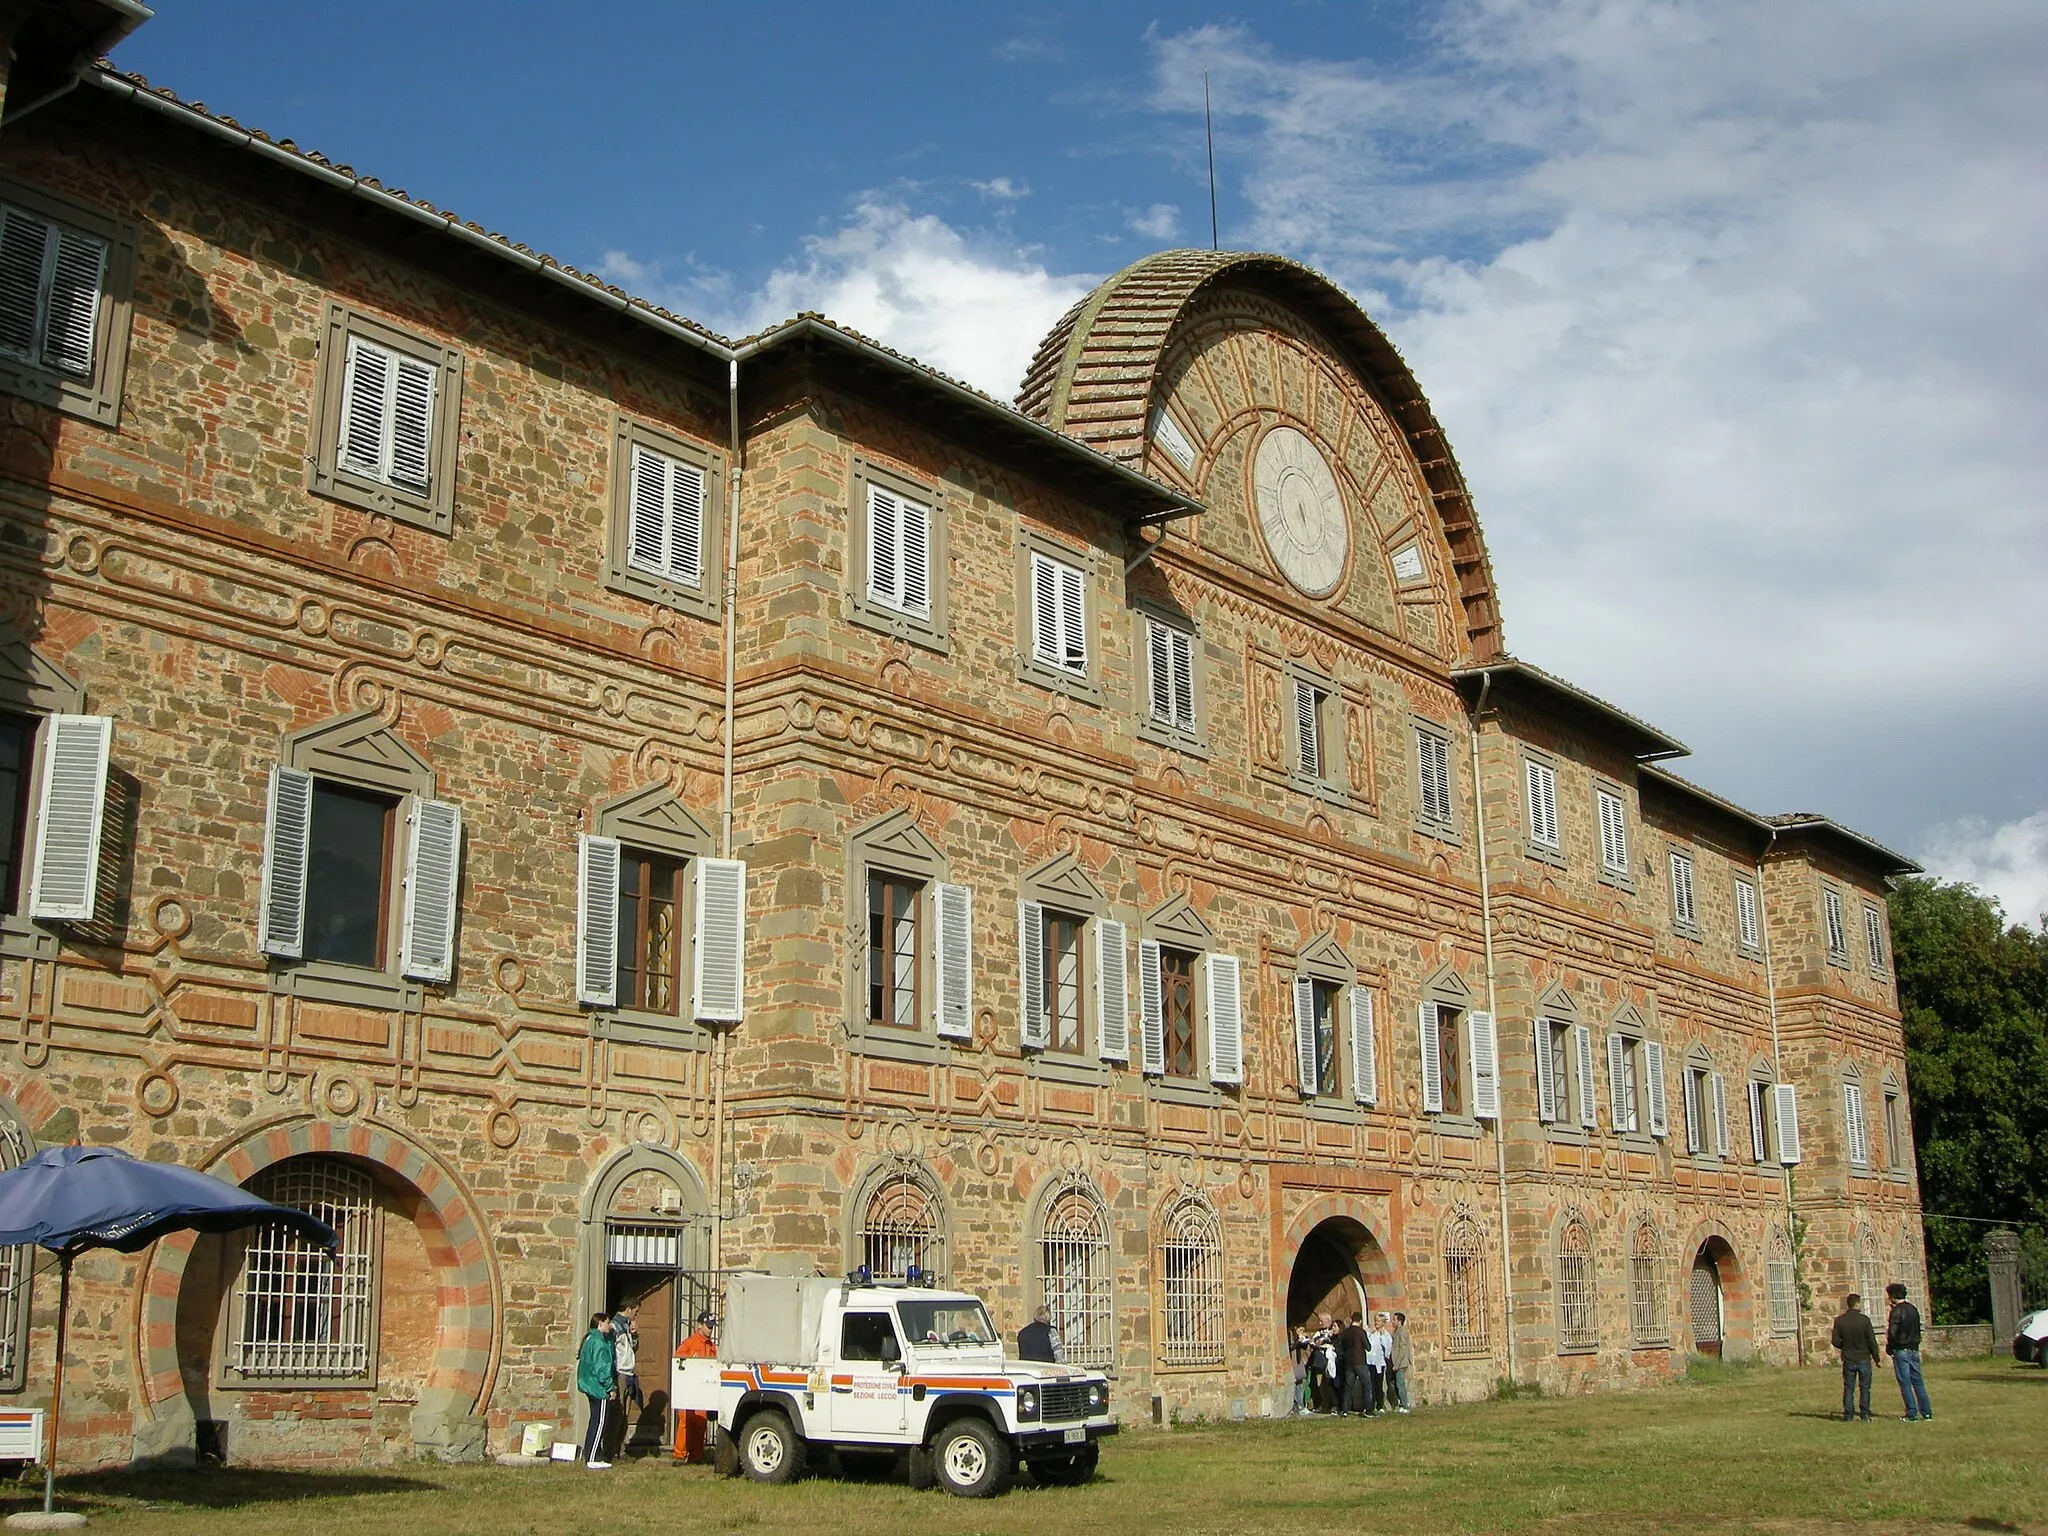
[219, 1487]
[2019, 1375]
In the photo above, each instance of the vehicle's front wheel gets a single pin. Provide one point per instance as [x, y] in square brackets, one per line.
[771, 1451]
[971, 1459]
[1067, 1471]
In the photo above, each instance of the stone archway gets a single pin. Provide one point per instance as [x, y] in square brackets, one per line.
[1717, 1311]
[1338, 1267]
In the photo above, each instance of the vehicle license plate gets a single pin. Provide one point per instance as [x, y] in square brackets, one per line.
[1076, 1436]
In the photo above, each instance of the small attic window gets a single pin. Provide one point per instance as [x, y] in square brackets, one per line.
[1408, 563]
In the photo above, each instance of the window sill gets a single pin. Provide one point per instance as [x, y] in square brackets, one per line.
[1567, 1135]
[1067, 1067]
[1619, 882]
[1554, 857]
[1839, 962]
[1649, 1346]
[1463, 1127]
[1054, 680]
[1706, 1162]
[1688, 931]
[62, 391]
[228, 1381]
[1334, 1109]
[697, 602]
[1442, 832]
[1187, 743]
[356, 986]
[915, 1045]
[1183, 1090]
[434, 513]
[1577, 1351]
[632, 1026]
[1641, 1141]
[929, 633]
[1749, 952]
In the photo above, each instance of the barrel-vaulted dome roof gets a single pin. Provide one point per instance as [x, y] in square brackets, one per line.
[1096, 374]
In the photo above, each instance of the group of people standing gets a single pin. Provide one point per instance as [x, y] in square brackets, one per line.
[608, 1376]
[1344, 1368]
[1857, 1340]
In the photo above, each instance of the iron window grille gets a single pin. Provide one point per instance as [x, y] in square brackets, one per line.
[1649, 1323]
[1465, 1312]
[1578, 1326]
[899, 1228]
[1781, 1286]
[1191, 1273]
[1073, 1259]
[298, 1314]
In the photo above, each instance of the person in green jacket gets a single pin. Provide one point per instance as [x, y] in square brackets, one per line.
[594, 1379]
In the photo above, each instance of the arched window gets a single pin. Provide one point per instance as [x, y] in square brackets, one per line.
[1578, 1324]
[1869, 1273]
[900, 1227]
[297, 1315]
[1191, 1279]
[1073, 1272]
[1782, 1284]
[1647, 1317]
[1465, 1309]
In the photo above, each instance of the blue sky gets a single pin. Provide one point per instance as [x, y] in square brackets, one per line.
[1732, 310]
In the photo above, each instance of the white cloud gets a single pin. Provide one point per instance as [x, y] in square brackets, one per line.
[1161, 221]
[1001, 190]
[2008, 863]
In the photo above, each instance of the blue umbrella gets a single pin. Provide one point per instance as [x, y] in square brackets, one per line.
[69, 1199]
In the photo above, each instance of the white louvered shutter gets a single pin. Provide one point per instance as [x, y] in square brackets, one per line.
[666, 536]
[74, 302]
[1756, 1121]
[1852, 1119]
[1479, 1034]
[1033, 1028]
[1182, 646]
[1432, 1061]
[287, 837]
[1073, 620]
[1159, 670]
[365, 386]
[1745, 914]
[1689, 1084]
[412, 422]
[1653, 1070]
[953, 1010]
[1542, 797]
[1305, 1035]
[686, 522]
[1151, 1009]
[885, 568]
[433, 867]
[916, 556]
[1720, 1091]
[1546, 1082]
[1785, 1111]
[1365, 1066]
[1307, 732]
[24, 247]
[1613, 833]
[1113, 1018]
[647, 540]
[1681, 888]
[597, 921]
[1226, 1020]
[721, 965]
[1433, 759]
[1621, 1099]
[70, 815]
[1045, 611]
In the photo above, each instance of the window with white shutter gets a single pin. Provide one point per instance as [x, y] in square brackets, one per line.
[1838, 938]
[1858, 1137]
[387, 416]
[1305, 1074]
[287, 838]
[1652, 1059]
[1718, 1088]
[1151, 1008]
[1308, 730]
[1613, 833]
[52, 280]
[1785, 1122]
[1746, 928]
[1059, 621]
[1433, 778]
[1546, 1077]
[1437, 1026]
[721, 940]
[1365, 1073]
[1033, 1031]
[953, 917]
[1485, 1057]
[899, 551]
[1621, 1082]
[1226, 1019]
[1690, 1100]
[1113, 1018]
[1540, 794]
[387, 405]
[327, 882]
[70, 817]
[1169, 677]
[665, 535]
[1682, 913]
[1582, 1062]
[597, 920]
[1873, 937]
[433, 870]
[1760, 1111]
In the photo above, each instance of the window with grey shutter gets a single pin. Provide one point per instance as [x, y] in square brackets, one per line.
[1151, 1009]
[1582, 1062]
[1540, 785]
[1365, 1074]
[597, 921]
[1546, 1082]
[387, 416]
[51, 283]
[70, 815]
[1681, 890]
[1170, 669]
[1873, 937]
[1308, 730]
[1613, 833]
[1479, 1036]
[432, 875]
[1113, 1019]
[720, 981]
[665, 536]
[1226, 1020]
[953, 1009]
[1745, 914]
[1433, 777]
[1033, 1028]
[287, 838]
[1838, 940]
[1059, 635]
[1432, 1060]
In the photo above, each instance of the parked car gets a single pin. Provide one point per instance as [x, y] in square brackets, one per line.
[2031, 1342]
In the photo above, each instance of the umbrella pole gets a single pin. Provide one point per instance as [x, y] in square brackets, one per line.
[57, 1386]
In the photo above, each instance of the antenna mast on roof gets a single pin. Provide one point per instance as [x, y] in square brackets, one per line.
[1209, 131]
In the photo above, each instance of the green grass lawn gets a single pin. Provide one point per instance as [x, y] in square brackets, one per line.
[1747, 1449]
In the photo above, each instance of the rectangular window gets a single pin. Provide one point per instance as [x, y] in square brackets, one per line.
[1433, 777]
[1761, 1142]
[650, 933]
[665, 536]
[1873, 937]
[17, 774]
[1541, 784]
[1894, 1131]
[1315, 1024]
[1059, 626]
[348, 875]
[1613, 833]
[1623, 1058]
[1682, 913]
[1856, 1132]
[388, 406]
[1177, 1002]
[1746, 931]
[387, 417]
[893, 951]
[899, 552]
[51, 282]
[1557, 1051]
[1838, 938]
[1170, 675]
[1063, 979]
[1308, 729]
[1450, 1057]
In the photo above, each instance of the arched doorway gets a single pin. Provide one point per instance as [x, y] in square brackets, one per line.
[1339, 1263]
[1703, 1301]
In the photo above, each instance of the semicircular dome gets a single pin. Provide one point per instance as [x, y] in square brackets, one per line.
[1258, 386]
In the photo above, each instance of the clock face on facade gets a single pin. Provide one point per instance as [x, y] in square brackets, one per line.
[1301, 511]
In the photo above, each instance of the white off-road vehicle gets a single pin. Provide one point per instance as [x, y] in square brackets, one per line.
[2030, 1343]
[808, 1366]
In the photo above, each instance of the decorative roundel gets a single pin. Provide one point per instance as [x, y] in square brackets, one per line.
[1301, 511]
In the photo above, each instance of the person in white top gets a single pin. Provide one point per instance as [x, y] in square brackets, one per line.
[1379, 1350]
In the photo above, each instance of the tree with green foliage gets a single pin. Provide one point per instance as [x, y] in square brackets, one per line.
[1974, 992]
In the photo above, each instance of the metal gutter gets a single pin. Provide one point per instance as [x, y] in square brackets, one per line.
[1662, 745]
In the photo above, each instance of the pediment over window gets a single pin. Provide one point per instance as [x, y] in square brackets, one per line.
[1177, 921]
[652, 818]
[359, 749]
[1445, 985]
[1324, 956]
[1063, 883]
[1556, 1003]
[895, 841]
[1626, 1017]
[32, 685]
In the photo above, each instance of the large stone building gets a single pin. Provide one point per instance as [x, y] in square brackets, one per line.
[582, 803]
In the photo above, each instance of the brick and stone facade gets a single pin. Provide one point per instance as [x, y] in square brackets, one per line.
[191, 566]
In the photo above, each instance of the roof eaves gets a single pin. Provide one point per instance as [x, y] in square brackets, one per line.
[1686, 787]
[1889, 861]
[1660, 745]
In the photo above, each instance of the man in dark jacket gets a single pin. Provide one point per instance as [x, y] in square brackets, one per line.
[1857, 1341]
[1352, 1346]
[1902, 1343]
[1035, 1339]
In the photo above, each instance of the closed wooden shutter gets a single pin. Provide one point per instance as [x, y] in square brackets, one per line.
[1033, 1028]
[1045, 611]
[1852, 1119]
[1745, 914]
[1620, 1094]
[24, 248]
[1226, 1020]
[1653, 1071]
[1305, 1035]
[666, 532]
[1159, 670]
[412, 422]
[1582, 1055]
[1182, 645]
[1838, 941]
[953, 1010]
[1757, 1149]
[287, 838]
[1479, 1034]
[1681, 889]
[916, 554]
[1113, 1019]
[1720, 1090]
[1073, 620]
[1541, 784]
[433, 860]
[1613, 833]
[1689, 1086]
[647, 540]
[885, 569]
[1433, 761]
[1785, 1113]
[72, 316]
[1151, 1010]
[70, 814]
[1365, 1070]
[365, 388]
[1432, 1060]
[597, 921]
[721, 961]
[1307, 731]
[1546, 1084]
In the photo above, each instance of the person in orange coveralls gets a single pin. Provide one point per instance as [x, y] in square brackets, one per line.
[691, 1427]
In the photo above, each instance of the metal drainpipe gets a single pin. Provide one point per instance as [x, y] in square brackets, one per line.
[1763, 919]
[1500, 1149]
[730, 594]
